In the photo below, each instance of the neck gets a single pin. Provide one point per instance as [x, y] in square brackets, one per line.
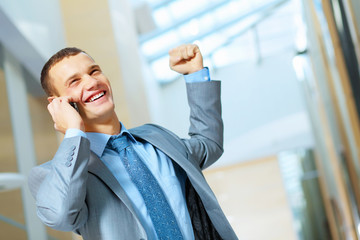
[111, 126]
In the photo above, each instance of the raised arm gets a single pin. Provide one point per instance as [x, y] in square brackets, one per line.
[204, 98]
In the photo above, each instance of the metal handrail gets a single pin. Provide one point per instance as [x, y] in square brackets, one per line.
[20, 226]
[10, 181]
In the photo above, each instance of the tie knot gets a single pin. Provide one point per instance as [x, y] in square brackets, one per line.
[118, 142]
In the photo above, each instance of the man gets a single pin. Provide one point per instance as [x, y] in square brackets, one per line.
[107, 182]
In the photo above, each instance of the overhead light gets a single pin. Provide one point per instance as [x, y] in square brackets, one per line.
[298, 64]
[301, 41]
[10, 181]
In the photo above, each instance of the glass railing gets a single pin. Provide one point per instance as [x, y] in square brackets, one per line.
[301, 182]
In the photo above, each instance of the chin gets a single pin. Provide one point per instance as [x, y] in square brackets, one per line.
[100, 113]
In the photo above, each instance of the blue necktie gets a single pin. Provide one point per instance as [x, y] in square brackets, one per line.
[158, 208]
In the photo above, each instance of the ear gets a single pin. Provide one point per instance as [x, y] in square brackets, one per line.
[50, 99]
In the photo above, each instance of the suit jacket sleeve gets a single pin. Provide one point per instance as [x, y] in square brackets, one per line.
[59, 186]
[206, 125]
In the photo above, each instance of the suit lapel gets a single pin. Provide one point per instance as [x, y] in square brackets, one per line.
[99, 169]
[168, 144]
[160, 141]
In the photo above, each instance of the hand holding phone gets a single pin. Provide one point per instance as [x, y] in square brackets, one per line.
[63, 115]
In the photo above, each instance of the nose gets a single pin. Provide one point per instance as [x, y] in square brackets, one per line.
[89, 82]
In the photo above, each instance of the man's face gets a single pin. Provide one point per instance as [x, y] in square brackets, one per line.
[81, 78]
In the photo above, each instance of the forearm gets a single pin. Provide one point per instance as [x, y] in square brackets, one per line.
[206, 125]
[60, 198]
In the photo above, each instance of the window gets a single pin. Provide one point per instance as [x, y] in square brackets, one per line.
[226, 31]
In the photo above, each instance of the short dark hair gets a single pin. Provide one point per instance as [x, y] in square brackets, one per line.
[57, 57]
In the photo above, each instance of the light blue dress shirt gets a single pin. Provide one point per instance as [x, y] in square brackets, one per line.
[169, 176]
[200, 76]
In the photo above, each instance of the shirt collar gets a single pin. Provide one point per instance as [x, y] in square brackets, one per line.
[98, 141]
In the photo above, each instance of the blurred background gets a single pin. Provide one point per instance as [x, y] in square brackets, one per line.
[290, 93]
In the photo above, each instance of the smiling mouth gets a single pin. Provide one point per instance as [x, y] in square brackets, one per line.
[96, 97]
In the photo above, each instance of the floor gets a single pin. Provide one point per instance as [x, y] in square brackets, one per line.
[254, 200]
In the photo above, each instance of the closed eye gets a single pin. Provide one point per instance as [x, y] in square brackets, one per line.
[95, 71]
[73, 81]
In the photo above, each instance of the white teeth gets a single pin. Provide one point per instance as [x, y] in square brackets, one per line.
[97, 96]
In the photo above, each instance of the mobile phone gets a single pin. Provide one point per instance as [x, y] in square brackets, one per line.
[74, 105]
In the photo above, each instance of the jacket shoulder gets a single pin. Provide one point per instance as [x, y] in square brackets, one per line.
[153, 130]
[159, 137]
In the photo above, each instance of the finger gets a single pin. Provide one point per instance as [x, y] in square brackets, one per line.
[174, 59]
[50, 108]
[191, 50]
[174, 52]
[174, 56]
[62, 99]
[70, 99]
[55, 104]
[196, 49]
[184, 53]
[74, 99]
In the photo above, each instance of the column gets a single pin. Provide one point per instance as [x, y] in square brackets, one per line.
[24, 143]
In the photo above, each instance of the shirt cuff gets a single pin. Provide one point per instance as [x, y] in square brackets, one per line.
[202, 75]
[74, 132]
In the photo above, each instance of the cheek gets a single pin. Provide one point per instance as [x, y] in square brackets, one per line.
[110, 94]
[73, 91]
[107, 83]
[108, 86]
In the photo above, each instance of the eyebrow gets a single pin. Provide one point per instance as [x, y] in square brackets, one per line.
[94, 66]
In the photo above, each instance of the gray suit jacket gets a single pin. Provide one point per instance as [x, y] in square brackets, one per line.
[76, 192]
